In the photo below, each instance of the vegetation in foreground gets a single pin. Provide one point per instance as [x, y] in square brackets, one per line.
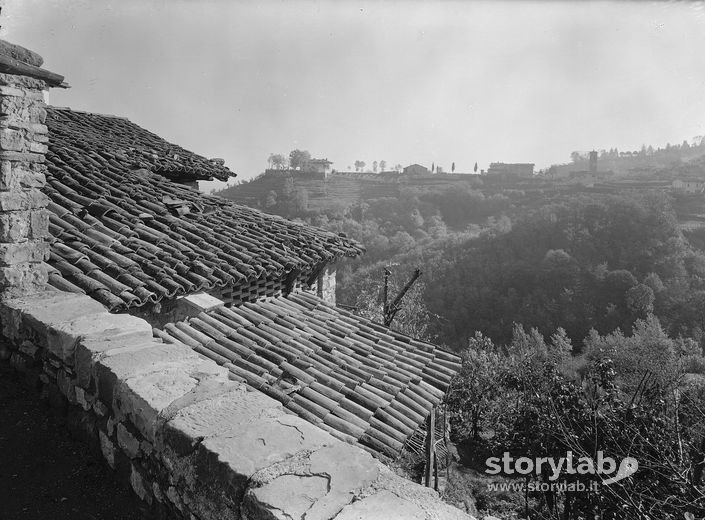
[625, 396]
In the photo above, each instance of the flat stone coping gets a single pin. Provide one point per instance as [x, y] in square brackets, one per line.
[235, 452]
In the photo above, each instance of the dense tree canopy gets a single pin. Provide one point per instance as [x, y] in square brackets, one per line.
[582, 264]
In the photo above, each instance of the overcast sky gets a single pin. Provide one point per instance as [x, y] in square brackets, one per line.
[405, 81]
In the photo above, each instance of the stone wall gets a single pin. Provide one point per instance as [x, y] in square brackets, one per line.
[326, 285]
[24, 221]
[192, 443]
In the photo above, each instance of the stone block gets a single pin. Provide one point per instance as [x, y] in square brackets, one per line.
[129, 444]
[16, 111]
[173, 496]
[147, 447]
[22, 280]
[66, 385]
[107, 362]
[193, 304]
[64, 337]
[30, 251]
[144, 398]
[23, 115]
[14, 225]
[13, 140]
[22, 81]
[157, 492]
[36, 313]
[99, 407]
[28, 157]
[28, 348]
[39, 222]
[18, 201]
[107, 448]
[17, 176]
[6, 90]
[35, 146]
[83, 399]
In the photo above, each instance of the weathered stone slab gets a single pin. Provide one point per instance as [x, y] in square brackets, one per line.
[276, 489]
[20, 53]
[217, 444]
[265, 442]
[64, 337]
[112, 366]
[38, 311]
[384, 505]
[291, 496]
[144, 396]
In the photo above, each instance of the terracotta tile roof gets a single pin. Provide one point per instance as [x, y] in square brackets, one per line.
[128, 236]
[359, 380]
[105, 138]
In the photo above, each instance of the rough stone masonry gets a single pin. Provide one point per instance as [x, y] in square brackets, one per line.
[24, 221]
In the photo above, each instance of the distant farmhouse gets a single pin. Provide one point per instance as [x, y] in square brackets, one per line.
[511, 169]
[318, 166]
[587, 178]
[689, 186]
[416, 169]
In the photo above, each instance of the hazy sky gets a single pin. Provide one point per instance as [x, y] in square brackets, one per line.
[402, 81]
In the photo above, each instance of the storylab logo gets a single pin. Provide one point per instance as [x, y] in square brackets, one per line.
[605, 467]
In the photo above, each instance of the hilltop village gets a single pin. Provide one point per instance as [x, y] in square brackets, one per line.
[679, 170]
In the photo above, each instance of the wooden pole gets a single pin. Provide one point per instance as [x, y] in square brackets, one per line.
[392, 309]
[430, 442]
[435, 470]
[385, 308]
[13, 66]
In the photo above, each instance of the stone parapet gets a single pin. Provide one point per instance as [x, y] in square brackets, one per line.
[191, 442]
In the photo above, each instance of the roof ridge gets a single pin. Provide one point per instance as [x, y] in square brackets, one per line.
[69, 109]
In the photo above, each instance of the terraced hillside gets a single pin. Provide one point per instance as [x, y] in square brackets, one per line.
[339, 189]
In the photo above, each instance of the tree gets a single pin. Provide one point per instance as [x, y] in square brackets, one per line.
[298, 159]
[359, 166]
[433, 167]
[475, 169]
[374, 166]
[452, 168]
[398, 168]
[271, 200]
[277, 161]
[382, 165]
[475, 388]
[575, 156]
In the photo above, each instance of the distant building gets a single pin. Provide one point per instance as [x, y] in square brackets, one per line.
[689, 186]
[511, 169]
[318, 166]
[416, 169]
[593, 162]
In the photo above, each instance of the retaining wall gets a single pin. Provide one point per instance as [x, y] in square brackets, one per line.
[192, 443]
